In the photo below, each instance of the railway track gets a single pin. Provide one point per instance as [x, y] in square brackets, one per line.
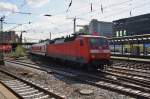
[130, 79]
[133, 72]
[142, 77]
[132, 65]
[122, 85]
[25, 89]
[147, 72]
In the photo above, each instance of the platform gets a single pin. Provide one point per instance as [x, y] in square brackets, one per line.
[5, 93]
[131, 59]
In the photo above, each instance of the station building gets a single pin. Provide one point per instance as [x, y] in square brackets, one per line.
[137, 25]
[101, 28]
[9, 37]
[131, 36]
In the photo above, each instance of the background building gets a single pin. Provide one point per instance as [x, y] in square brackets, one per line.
[8, 37]
[137, 25]
[100, 28]
[96, 27]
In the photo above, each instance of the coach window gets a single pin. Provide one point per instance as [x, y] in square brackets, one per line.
[81, 42]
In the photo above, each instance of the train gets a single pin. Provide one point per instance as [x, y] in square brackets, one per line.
[5, 48]
[89, 51]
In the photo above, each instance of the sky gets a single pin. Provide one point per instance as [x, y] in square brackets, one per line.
[31, 15]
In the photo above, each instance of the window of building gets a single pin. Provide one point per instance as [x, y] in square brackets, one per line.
[121, 33]
[117, 33]
[125, 33]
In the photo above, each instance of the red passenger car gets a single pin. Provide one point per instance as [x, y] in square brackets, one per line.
[39, 49]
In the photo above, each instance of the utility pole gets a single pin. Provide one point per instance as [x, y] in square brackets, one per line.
[1, 27]
[74, 23]
[1, 23]
[21, 36]
[50, 34]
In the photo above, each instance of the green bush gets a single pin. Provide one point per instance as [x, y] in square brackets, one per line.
[19, 52]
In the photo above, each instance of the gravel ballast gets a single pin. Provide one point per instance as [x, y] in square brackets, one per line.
[62, 85]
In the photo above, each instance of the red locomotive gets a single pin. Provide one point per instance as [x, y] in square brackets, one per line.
[92, 51]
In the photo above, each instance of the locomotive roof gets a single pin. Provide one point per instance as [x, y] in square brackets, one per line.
[61, 40]
[92, 36]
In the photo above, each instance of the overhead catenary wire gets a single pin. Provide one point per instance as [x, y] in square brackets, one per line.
[17, 25]
[14, 27]
[140, 5]
[70, 4]
[22, 5]
[126, 10]
[115, 13]
[116, 4]
[102, 7]
[106, 7]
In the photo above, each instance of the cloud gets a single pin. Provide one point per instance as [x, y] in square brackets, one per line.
[37, 3]
[8, 7]
[59, 25]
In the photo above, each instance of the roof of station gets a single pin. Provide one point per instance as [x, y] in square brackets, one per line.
[135, 17]
[131, 39]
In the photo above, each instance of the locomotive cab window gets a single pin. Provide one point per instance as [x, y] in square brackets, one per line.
[95, 42]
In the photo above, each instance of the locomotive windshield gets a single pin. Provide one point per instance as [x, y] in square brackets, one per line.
[96, 42]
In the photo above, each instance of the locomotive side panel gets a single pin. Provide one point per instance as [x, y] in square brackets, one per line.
[76, 50]
[82, 50]
[66, 51]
